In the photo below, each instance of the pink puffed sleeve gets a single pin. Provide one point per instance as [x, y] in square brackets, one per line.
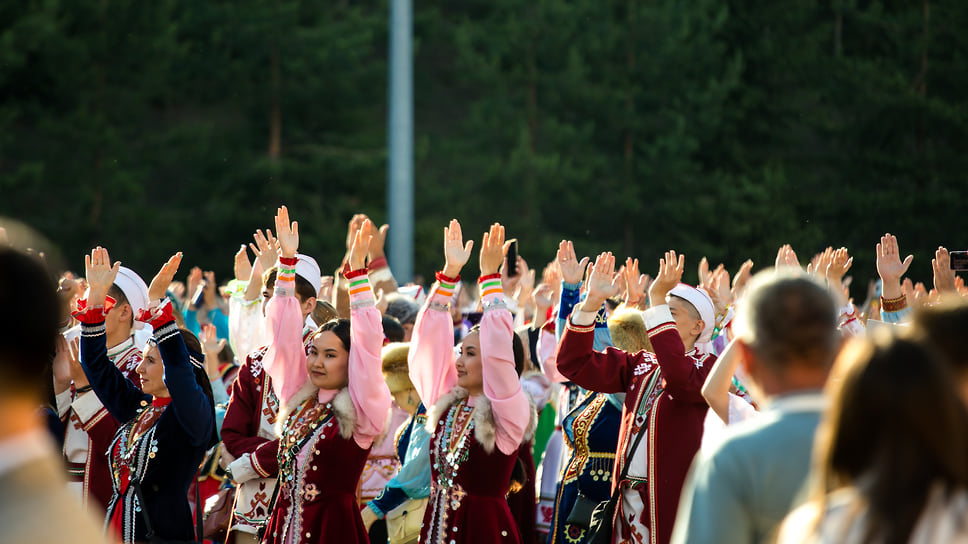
[431, 357]
[369, 392]
[285, 358]
[547, 356]
[501, 385]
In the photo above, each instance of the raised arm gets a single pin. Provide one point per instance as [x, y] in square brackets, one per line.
[608, 371]
[369, 392]
[716, 388]
[431, 357]
[501, 385]
[285, 359]
[121, 398]
[192, 408]
[684, 379]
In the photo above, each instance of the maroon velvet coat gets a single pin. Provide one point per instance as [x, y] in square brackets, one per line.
[473, 506]
[674, 422]
[319, 501]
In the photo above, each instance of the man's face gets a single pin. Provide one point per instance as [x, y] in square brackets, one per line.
[689, 327]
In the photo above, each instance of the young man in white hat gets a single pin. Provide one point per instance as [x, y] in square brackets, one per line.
[663, 392]
[88, 427]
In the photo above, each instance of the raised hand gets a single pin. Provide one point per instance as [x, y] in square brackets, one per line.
[354, 227]
[377, 243]
[572, 270]
[838, 264]
[543, 298]
[786, 257]
[159, 285]
[670, 274]
[493, 249]
[242, 268]
[944, 276]
[194, 281]
[61, 365]
[100, 274]
[77, 372]
[819, 263]
[287, 232]
[265, 248]
[704, 275]
[890, 267]
[360, 245]
[602, 282]
[636, 283]
[741, 278]
[456, 252]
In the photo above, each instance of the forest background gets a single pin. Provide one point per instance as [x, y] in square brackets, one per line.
[720, 128]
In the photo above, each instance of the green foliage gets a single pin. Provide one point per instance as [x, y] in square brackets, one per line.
[717, 129]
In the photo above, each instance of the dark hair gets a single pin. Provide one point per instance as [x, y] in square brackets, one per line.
[943, 326]
[29, 326]
[201, 378]
[304, 289]
[896, 422]
[516, 346]
[789, 319]
[392, 329]
[120, 298]
[402, 307]
[340, 327]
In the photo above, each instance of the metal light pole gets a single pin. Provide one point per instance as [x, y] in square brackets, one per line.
[400, 136]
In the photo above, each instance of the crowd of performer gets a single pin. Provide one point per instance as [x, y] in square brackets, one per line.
[587, 402]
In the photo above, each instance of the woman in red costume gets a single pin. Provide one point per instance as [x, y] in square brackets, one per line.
[334, 402]
[480, 414]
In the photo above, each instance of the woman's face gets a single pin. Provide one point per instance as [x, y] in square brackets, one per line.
[152, 373]
[469, 375]
[328, 362]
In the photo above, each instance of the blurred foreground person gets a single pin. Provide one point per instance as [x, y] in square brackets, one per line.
[892, 452]
[741, 490]
[33, 491]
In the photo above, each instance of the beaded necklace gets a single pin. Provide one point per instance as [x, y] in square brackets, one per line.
[453, 446]
[299, 428]
[146, 419]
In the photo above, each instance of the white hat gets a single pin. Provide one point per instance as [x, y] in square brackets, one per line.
[703, 304]
[134, 289]
[307, 269]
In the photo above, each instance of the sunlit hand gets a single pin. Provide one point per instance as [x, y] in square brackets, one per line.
[288, 233]
[602, 282]
[242, 268]
[890, 267]
[378, 243]
[670, 274]
[159, 285]
[819, 263]
[572, 270]
[265, 249]
[456, 252]
[493, 249]
[360, 245]
[636, 283]
[353, 227]
[944, 276]
[100, 274]
[838, 264]
[741, 278]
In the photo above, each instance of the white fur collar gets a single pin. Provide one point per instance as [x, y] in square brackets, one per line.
[342, 404]
[484, 429]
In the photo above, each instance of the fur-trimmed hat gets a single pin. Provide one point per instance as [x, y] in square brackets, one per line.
[628, 330]
[395, 368]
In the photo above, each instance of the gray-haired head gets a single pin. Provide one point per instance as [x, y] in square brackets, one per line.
[788, 318]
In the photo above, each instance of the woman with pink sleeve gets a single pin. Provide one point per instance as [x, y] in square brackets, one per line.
[479, 415]
[334, 402]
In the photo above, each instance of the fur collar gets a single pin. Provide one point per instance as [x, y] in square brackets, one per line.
[342, 404]
[485, 431]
